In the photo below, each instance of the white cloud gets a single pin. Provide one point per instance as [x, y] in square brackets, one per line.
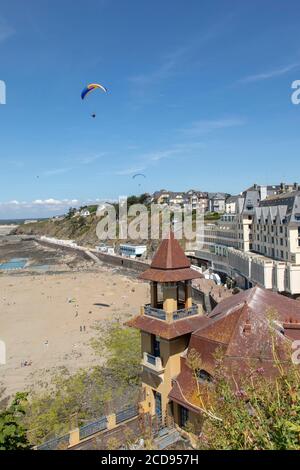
[84, 160]
[56, 171]
[49, 202]
[37, 208]
[209, 125]
[87, 160]
[270, 74]
[129, 171]
[175, 61]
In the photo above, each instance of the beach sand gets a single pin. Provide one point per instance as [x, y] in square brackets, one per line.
[41, 317]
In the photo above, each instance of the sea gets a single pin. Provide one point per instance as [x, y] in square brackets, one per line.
[17, 221]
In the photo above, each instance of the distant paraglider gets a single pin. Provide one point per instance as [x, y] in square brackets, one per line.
[91, 87]
[139, 175]
[88, 89]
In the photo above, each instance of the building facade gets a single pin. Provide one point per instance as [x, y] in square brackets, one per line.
[260, 242]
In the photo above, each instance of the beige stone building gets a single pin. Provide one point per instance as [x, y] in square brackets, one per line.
[260, 244]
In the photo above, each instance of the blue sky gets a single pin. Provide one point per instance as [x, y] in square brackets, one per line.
[199, 97]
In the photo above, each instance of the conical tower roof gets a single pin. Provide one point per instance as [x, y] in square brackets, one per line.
[170, 255]
[170, 263]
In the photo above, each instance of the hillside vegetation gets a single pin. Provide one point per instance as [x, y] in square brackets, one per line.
[80, 229]
[83, 229]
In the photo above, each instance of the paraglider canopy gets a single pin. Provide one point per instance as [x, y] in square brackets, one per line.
[139, 174]
[91, 87]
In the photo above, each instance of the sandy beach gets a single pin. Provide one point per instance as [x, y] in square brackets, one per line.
[48, 320]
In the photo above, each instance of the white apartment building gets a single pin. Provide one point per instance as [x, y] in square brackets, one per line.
[260, 243]
[217, 202]
[133, 251]
[198, 200]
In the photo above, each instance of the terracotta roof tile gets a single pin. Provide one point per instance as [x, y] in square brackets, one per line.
[161, 275]
[170, 264]
[168, 330]
[170, 255]
[261, 301]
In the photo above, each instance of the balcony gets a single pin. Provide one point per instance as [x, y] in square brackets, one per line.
[158, 313]
[185, 312]
[153, 363]
[179, 314]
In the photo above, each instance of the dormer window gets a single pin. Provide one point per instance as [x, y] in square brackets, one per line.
[203, 376]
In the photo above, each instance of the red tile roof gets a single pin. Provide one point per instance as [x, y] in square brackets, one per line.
[261, 301]
[168, 330]
[248, 328]
[170, 255]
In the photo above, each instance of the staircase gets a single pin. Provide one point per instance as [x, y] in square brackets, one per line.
[166, 437]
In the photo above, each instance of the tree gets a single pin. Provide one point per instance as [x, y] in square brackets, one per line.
[71, 213]
[72, 400]
[12, 431]
[124, 353]
[69, 402]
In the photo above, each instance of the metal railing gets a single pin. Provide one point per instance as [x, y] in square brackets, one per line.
[55, 444]
[126, 414]
[177, 315]
[185, 312]
[155, 312]
[170, 438]
[93, 428]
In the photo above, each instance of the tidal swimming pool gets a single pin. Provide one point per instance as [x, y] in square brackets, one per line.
[14, 263]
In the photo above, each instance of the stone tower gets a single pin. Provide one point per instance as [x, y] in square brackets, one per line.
[166, 323]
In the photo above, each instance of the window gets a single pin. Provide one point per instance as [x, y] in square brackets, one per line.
[155, 346]
[203, 376]
[184, 416]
